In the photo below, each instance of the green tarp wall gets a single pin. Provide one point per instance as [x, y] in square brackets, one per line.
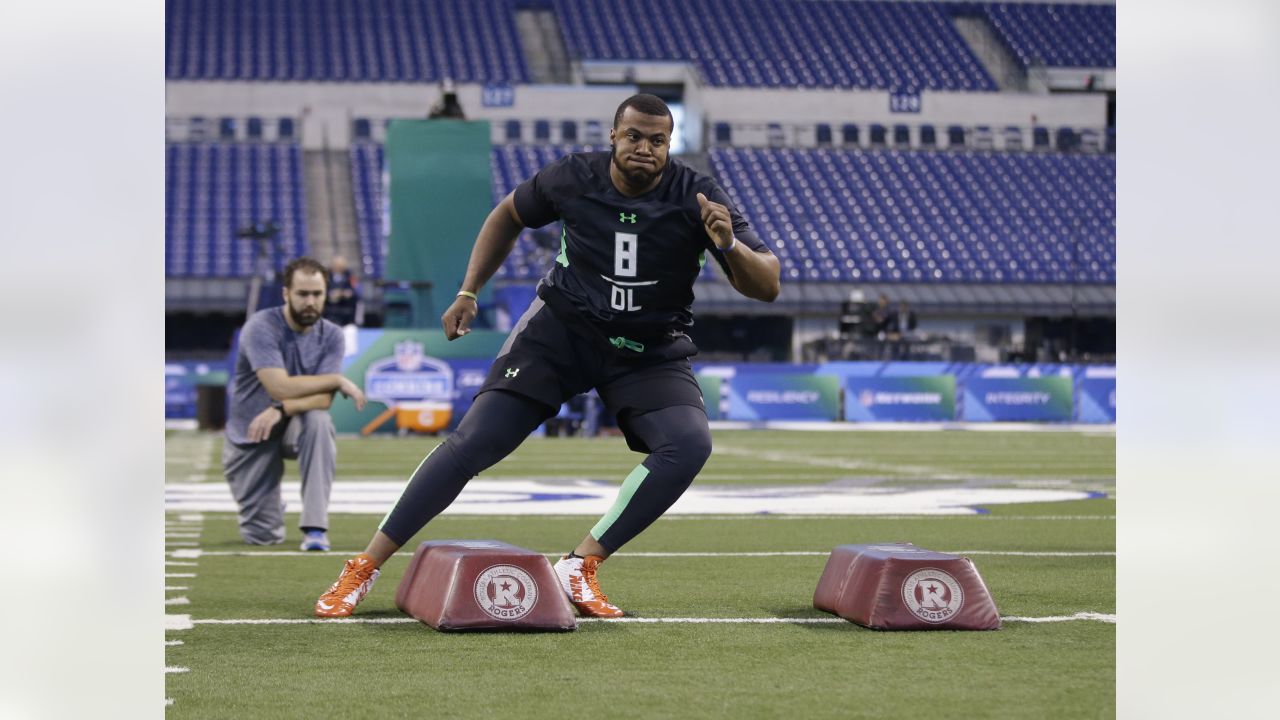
[440, 195]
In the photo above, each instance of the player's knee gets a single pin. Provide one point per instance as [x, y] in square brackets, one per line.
[690, 449]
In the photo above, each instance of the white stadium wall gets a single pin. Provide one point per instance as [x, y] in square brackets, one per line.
[325, 110]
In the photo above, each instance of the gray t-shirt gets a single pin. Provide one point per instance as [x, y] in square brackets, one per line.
[267, 341]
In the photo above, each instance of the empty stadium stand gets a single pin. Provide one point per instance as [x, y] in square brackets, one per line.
[333, 40]
[907, 46]
[1057, 34]
[886, 217]
[214, 189]
[762, 43]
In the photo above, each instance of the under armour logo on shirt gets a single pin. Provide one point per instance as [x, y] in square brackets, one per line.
[623, 217]
[512, 372]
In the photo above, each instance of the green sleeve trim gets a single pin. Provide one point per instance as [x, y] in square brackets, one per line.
[629, 487]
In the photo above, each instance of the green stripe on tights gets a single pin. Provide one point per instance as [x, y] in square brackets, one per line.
[629, 487]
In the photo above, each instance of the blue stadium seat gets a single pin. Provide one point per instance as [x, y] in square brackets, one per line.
[1066, 140]
[849, 134]
[822, 134]
[955, 136]
[362, 129]
[1040, 138]
[226, 128]
[568, 131]
[724, 134]
[928, 136]
[513, 131]
[542, 130]
[901, 136]
[878, 133]
[253, 128]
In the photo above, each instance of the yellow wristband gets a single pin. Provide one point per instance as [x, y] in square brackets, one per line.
[464, 293]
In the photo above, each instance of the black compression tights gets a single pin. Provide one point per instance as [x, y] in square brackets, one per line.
[498, 422]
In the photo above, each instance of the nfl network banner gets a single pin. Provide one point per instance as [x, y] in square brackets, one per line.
[783, 396]
[1018, 399]
[1096, 400]
[924, 398]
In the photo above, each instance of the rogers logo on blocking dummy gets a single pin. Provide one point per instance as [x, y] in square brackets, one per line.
[932, 595]
[506, 592]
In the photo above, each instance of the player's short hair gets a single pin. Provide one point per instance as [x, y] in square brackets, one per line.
[306, 264]
[647, 104]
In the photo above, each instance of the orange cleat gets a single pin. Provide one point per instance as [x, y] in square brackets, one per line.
[352, 585]
[578, 580]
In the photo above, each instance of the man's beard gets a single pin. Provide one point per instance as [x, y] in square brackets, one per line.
[637, 176]
[303, 317]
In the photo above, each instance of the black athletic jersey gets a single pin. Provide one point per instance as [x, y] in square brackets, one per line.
[627, 263]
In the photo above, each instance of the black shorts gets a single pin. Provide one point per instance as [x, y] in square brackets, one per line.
[550, 358]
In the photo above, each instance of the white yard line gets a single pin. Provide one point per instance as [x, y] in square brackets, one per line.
[177, 601]
[191, 517]
[177, 622]
[176, 587]
[1085, 616]
[182, 535]
[1100, 617]
[171, 669]
[188, 554]
[837, 463]
[779, 553]
[171, 643]
[179, 575]
[177, 563]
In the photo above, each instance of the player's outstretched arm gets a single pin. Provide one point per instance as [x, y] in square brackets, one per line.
[755, 274]
[493, 245]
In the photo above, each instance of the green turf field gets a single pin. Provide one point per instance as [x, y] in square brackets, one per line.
[1044, 560]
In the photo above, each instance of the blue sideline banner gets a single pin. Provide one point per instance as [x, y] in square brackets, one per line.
[1096, 400]
[783, 396]
[895, 399]
[1018, 399]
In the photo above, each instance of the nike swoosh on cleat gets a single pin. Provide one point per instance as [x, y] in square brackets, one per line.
[324, 605]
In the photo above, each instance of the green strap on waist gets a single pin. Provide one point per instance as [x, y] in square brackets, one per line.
[622, 343]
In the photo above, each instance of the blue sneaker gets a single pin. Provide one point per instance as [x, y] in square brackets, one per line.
[315, 540]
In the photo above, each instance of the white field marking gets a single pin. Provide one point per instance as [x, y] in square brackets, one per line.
[168, 701]
[179, 575]
[171, 669]
[778, 553]
[173, 543]
[583, 496]
[188, 554]
[788, 458]
[176, 587]
[177, 622]
[181, 535]
[180, 563]
[171, 643]
[1100, 617]
[177, 601]
[191, 517]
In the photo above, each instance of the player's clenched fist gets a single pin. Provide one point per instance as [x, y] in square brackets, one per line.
[457, 319]
[715, 219]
